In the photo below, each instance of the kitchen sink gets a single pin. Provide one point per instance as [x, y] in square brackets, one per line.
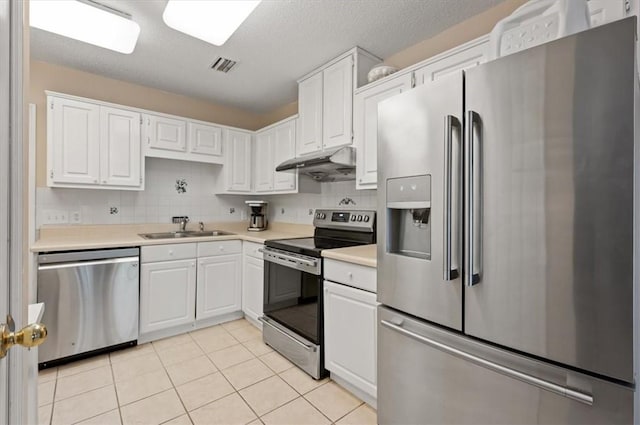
[186, 234]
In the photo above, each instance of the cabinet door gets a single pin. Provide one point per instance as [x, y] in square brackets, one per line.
[238, 161]
[350, 334]
[252, 287]
[166, 133]
[459, 59]
[310, 115]
[366, 128]
[73, 142]
[204, 139]
[337, 106]
[167, 294]
[264, 168]
[120, 147]
[219, 286]
[284, 149]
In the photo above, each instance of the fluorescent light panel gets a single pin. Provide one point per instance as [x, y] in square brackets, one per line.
[211, 21]
[85, 22]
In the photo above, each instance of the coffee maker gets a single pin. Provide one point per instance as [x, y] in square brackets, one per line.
[258, 219]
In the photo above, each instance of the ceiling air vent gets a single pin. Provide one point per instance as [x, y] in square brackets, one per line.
[223, 64]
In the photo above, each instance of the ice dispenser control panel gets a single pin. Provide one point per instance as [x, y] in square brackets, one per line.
[409, 216]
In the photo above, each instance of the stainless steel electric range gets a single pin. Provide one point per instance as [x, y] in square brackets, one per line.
[293, 296]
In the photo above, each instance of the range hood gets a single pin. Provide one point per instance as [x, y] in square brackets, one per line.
[332, 165]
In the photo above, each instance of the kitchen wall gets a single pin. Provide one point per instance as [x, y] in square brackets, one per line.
[161, 200]
[456, 35]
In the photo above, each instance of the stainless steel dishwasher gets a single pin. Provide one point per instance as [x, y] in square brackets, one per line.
[91, 302]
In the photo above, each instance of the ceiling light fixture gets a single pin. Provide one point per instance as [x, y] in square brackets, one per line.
[86, 21]
[211, 21]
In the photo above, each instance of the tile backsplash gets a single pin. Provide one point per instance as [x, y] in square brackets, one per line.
[186, 188]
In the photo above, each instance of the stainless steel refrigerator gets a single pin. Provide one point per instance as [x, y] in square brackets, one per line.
[508, 239]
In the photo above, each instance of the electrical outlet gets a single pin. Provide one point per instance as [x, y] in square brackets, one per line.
[55, 217]
[75, 217]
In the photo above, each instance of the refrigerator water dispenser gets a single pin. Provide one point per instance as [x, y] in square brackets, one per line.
[408, 215]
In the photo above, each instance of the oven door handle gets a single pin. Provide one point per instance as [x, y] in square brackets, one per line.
[294, 262]
[273, 324]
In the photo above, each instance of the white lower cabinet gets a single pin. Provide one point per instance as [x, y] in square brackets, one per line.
[167, 293]
[219, 286]
[252, 281]
[189, 285]
[350, 338]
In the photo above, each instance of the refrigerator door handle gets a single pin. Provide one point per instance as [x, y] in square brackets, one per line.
[450, 122]
[512, 373]
[473, 220]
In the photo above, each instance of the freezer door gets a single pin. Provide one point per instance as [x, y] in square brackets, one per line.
[427, 375]
[419, 201]
[549, 231]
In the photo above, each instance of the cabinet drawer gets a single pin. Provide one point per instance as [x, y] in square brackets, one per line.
[355, 275]
[207, 249]
[178, 251]
[253, 249]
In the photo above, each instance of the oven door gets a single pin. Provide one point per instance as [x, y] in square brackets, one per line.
[293, 308]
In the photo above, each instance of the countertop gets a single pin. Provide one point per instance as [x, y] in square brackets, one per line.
[364, 255]
[78, 237]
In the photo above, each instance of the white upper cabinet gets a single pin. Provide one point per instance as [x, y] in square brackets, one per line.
[120, 147]
[73, 142]
[272, 146]
[284, 149]
[237, 166]
[90, 145]
[264, 168]
[366, 127]
[460, 58]
[204, 139]
[325, 101]
[183, 139]
[164, 133]
[310, 115]
[337, 105]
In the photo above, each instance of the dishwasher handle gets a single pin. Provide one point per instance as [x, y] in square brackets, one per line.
[89, 263]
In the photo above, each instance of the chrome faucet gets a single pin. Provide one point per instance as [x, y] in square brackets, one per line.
[183, 223]
[201, 226]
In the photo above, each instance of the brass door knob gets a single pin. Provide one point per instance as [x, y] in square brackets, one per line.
[30, 336]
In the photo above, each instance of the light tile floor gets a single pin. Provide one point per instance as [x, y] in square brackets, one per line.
[219, 375]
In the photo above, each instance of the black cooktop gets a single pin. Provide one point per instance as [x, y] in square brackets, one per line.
[333, 229]
[311, 246]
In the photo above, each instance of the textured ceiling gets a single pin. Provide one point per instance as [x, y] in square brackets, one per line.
[279, 42]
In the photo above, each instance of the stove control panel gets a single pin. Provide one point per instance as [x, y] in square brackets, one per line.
[362, 220]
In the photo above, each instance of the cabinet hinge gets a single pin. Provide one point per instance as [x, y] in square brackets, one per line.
[51, 174]
[140, 120]
[627, 5]
[413, 79]
[51, 105]
[140, 180]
